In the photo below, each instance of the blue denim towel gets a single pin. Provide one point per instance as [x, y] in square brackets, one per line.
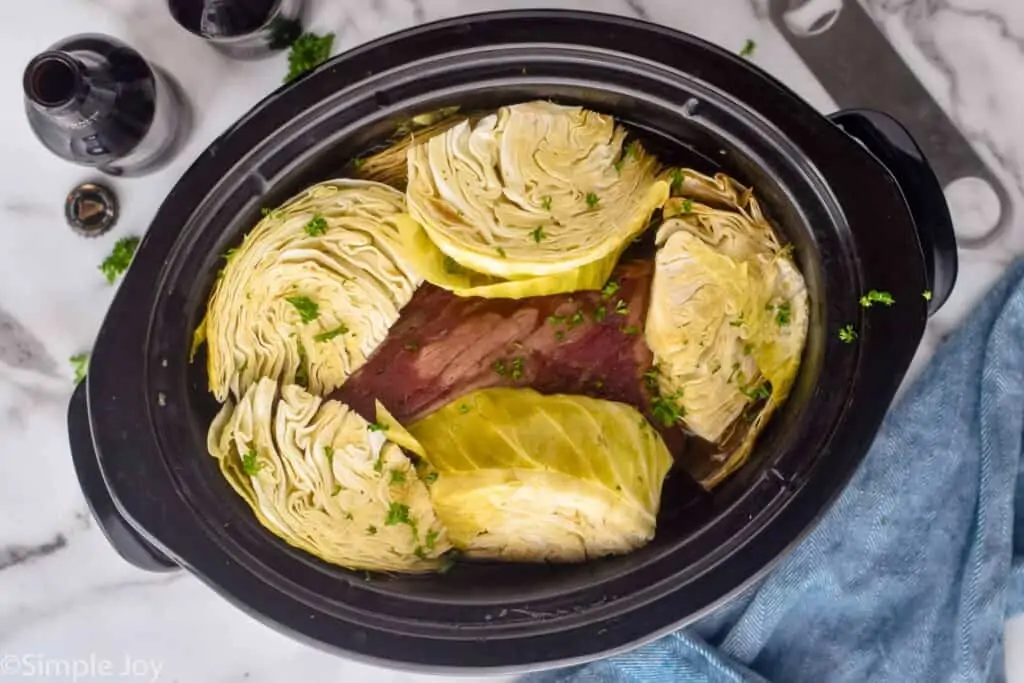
[911, 574]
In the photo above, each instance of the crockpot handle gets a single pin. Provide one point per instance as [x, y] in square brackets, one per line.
[126, 540]
[893, 146]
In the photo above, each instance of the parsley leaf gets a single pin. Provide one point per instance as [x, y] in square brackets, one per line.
[600, 313]
[592, 200]
[783, 314]
[621, 308]
[847, 334]
[630, 329]
[545, 202]
[499, 367]
[538, 234]
[307, 52]
[666, 410]
[397, 514]
[876, 297]
[397, 477]
[608, 291]
[329, 454]
[677, 180]
[317, 225]
[250, 465]
[517, 368]
[927, 294]
[80, 364]
[431, 539]
[307, 308]
[762, 390]
[748, 48]
[376, 427]
[120, 258]
[430, 478]
[501, 253]
[687, 205]
[331, 334]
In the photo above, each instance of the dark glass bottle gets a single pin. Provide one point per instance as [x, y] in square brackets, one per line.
[243, 29]
[94, 101]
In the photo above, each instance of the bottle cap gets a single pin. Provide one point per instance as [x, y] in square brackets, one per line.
[91, 209]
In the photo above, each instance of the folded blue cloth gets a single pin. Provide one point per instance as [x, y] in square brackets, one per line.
[911, 574]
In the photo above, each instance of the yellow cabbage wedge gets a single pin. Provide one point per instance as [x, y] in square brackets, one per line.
[321, 478]
[531, 478]
[728, 318]
[534, 190]
[311, 292]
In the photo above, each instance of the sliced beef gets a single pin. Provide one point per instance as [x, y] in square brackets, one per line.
[444, 346]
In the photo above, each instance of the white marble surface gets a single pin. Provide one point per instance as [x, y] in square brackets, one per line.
[64, 594]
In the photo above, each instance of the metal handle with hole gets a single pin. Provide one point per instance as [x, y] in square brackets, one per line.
[860, 68]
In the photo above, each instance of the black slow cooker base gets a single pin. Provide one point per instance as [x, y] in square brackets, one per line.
[697, 105]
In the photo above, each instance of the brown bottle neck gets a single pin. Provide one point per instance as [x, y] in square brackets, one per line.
[54, 80]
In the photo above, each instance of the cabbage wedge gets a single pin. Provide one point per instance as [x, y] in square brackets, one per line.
[531, 478]
[435, 267]
[728, 317]
[321, 478]
[534, 190]
[311, 292]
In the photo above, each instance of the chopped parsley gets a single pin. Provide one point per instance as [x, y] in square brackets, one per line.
[336, 490]
[737, 322]
[608, 291]
[687, 205]
[556, 319]
[80, 365]
[600, 313]
[665, 409]
[397, 477]
[420, 553]
[651, 379]
[748, 349]
[782, 314]
[431, 539]
[308, 51]
[630, 329]
[463, 409]
[331, 334]
[576, 319]
[517, 368]
[499, 367]
[559, 335]
[876, 297]
[377, 427]
[307, 308]
[599, 384]
[592, 200]
[618, 165]
[538, 234]
[264, 211]
[430, 478]
[927, 294]
[358, 162]
[317, 225]
[633, 149]
[501, 253]
[621, 308]
[398, 513]
[762, 390]
[371, 530]
[229, 254]
[250, 465]
[120, 258]
[677, 180]
[411, 346]
[847, 334]
[546, 202]
[329, 454]
[302, 372]
[748, 48]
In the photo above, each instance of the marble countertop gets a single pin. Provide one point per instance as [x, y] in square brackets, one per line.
[64, 594]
